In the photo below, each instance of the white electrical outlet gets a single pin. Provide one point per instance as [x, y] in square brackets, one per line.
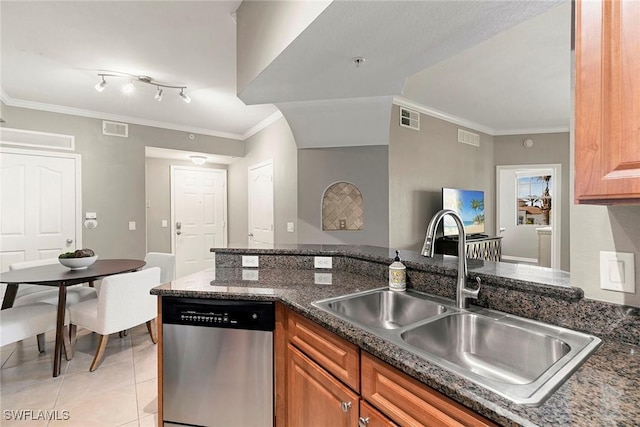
[290, 227]
[617, 271]
[132, 225]
[323, 278]
[322, 262]
[164, 223]
[249, 260]
[250, 275]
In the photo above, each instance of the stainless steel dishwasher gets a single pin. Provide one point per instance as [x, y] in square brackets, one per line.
[217, 362]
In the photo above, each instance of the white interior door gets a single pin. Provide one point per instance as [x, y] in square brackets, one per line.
[199, 212]
[39, 205]
[261, 232]
[520, 242]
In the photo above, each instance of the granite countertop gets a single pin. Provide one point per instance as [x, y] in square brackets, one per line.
[604, 391]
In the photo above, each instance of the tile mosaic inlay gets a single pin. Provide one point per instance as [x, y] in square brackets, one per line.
[342, 207]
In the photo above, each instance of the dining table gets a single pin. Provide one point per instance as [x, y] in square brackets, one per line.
[62, 277]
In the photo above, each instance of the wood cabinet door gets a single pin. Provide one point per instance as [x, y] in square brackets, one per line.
[315, 398]
[371, 417]
[607, 126]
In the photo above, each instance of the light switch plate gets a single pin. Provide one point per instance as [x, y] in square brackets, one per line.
[322, 262]
[164, 223]
[132, 225]
[290, 227]
[249, 260]
[617, 271]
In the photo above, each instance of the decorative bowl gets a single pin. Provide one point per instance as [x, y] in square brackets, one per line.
[78, 263]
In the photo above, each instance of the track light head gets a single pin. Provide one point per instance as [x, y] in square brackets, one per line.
[159, 94]
[100, 86]
[129, 88]
[184, 96]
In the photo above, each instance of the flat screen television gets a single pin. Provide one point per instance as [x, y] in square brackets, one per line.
[469, 204]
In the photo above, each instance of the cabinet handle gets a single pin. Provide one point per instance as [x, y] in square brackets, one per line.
[362, 422]
[345, 406]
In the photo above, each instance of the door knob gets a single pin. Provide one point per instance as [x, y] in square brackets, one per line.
[502, 229]
[69, 241]
[178, 228]
[250, 234]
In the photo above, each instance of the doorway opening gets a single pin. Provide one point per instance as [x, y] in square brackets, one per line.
[528, 213]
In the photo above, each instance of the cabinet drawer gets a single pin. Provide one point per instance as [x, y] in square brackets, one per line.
[371, 417]
[336, 355]
[408, 402]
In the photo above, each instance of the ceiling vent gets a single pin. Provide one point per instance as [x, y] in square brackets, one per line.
[115, 129]
[467, 137]
[409, 118]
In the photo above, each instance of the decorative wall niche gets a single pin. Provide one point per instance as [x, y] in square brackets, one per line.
[342, 207]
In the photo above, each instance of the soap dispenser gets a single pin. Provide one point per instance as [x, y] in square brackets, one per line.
[397, 275]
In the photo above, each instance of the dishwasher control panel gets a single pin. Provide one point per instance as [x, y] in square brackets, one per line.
[254, 315]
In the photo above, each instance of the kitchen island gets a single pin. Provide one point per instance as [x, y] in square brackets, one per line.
[603, 391]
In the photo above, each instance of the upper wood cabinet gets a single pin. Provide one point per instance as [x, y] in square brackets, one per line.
[607, 125]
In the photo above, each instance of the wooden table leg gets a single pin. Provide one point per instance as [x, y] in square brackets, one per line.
[62, 308]
[9, 296]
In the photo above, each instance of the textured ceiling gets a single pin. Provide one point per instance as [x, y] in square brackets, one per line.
[52, 51]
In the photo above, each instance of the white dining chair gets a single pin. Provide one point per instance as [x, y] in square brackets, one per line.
[123, 302]
[34, 294]
[166, 262]
[25, 321]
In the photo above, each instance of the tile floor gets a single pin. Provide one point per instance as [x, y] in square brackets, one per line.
[121, 392]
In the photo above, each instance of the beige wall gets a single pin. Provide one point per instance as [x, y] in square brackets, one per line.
[158, 197]
[420, 164]
[276, 143]
[547, 148]
[366, 168]
[113, 172]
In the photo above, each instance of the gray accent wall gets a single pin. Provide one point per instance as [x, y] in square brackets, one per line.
[275, 142]
[547, 148]
[158, 199]
[421, 163]
[366, 168]
[113, 172]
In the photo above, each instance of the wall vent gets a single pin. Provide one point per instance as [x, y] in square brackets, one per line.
[467, 137]
[115, 129]
[409, 118]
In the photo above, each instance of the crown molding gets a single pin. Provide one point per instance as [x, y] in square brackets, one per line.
[263, 124]
[52, 108]
[403, 102]
[559, 129]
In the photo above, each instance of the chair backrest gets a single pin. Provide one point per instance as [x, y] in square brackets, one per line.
[124, 300]
[166, 262]
[30, 289]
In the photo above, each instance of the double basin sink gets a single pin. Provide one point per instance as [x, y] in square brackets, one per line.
[522, 360]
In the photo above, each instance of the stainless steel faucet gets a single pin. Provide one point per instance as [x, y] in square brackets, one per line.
[463, 294]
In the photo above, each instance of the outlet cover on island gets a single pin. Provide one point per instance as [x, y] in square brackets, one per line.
[249, 260]
[617, 271]
[322, 262]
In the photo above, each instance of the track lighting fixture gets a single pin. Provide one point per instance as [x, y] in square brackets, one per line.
[100, 86]
[184, 96]
[129, 88]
